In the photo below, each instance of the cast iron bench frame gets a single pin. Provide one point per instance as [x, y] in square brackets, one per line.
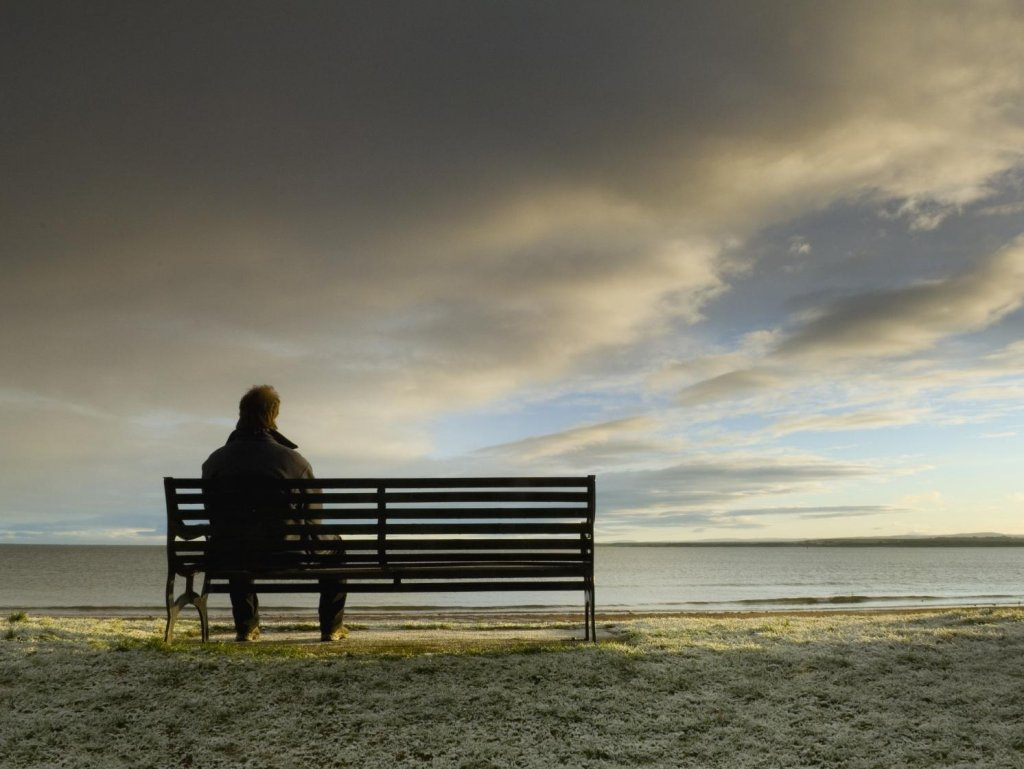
[385, 535]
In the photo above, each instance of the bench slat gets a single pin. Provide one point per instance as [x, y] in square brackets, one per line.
[392, 558]
[403, 483]
[417, 497]
[353, 529]
[451, 571]
[399, 545]
[479, 515]
[467, 513]
[400, 529]
[345, 559]
[492, 586]
[410, 497]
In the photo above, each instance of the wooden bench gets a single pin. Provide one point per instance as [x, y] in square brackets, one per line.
[380, 535]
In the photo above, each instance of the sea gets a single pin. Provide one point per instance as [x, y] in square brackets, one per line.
[130, 580]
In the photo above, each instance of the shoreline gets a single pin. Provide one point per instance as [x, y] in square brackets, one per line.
[505, 614]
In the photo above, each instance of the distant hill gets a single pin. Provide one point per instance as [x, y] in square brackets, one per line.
[946, 540]
[909, 540]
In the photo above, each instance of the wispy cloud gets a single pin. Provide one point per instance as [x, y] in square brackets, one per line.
[719, 483]
[850, 420]
[608, 444]
[811, 512]
[734, 384]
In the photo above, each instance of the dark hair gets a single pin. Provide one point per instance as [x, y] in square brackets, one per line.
[258, 408]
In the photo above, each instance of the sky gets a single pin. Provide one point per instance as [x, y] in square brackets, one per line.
[758, 266]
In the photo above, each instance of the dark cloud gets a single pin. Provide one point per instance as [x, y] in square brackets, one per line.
[343, 96]
[350, 118]
[905, 320]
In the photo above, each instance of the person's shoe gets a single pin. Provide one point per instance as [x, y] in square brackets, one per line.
[250, 635]
[335, 635]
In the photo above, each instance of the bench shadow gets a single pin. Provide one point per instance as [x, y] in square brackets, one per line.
[398, 638]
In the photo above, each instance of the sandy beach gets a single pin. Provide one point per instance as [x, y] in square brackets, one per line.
[883, 689]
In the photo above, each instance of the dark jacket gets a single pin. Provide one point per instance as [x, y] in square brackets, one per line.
[262, 453]
[257, 454]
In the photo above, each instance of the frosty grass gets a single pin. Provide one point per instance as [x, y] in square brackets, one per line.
[929, 690]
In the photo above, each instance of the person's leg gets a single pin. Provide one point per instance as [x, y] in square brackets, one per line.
[245, 609]
[332, 609]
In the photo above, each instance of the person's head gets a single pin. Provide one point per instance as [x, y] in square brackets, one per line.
[258, 408]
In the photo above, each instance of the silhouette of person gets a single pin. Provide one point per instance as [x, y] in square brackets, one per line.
[255, 449]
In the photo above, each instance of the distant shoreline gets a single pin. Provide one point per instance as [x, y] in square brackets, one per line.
[942, 541]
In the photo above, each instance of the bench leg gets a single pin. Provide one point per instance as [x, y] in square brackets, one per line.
[593, 617]
[200, 603]
[590, 616]
[586, 614]
[175, 605]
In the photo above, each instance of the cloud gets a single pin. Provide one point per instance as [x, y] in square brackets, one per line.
[667, 522]
[125, 528]
[836, 338]
[608, 444]
[914, 318]
[1005, 209]
[734, 384]
[811, 512]
[78, 533]
[922, 215]
[704, 484]
[1009, 358]
[850, 420]
[926, 500]
[393, 222]
[647, 480]
[799, 246]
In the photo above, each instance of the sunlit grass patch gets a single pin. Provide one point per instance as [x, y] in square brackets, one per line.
[384, 646]
[300, 640]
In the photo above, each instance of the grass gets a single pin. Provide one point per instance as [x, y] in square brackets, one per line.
[854, 691]
[12, 619]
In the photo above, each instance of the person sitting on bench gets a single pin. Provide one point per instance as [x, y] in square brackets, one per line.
[257, 450]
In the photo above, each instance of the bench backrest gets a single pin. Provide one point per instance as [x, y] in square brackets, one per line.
[378, 522]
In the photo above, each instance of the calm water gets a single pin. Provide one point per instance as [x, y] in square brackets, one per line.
[638, 578]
